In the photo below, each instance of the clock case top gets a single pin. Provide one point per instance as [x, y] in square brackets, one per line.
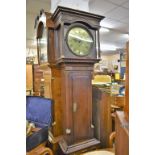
[66, 18]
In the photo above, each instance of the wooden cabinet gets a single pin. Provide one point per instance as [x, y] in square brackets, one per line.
[29, 79]
[37, 76]
[29, 76]
[122, 119]
[118, 101]
[102, 115]
[122, 134]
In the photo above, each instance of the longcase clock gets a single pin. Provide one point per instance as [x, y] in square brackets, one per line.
[76, 49]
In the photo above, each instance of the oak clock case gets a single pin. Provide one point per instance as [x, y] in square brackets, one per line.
[76, 36]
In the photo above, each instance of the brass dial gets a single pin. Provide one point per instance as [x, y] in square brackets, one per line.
[79, 41]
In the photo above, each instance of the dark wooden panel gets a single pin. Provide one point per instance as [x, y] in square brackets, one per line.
[76, 93]
[56, 96]
[82, 102]
[102, 116]
[51, 53]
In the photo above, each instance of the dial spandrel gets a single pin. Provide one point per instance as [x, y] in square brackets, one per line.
[79, 41]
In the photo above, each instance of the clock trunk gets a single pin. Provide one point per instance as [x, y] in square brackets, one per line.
[77, 108]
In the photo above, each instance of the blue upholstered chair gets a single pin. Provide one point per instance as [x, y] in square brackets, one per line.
[39, 112]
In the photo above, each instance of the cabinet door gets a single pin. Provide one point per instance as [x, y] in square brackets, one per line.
[82, 106]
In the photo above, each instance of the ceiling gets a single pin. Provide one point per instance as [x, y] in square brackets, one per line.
[116, 19]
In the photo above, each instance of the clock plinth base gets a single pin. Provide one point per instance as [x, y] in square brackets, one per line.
[69, 149]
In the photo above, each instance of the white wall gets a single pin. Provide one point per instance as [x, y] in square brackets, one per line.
[111, 60]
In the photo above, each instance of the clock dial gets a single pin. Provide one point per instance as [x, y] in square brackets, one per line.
[79, 41]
